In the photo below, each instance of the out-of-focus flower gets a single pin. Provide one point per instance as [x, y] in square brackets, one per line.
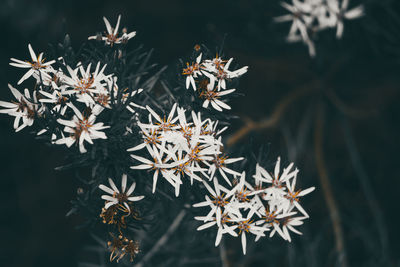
[311, 16]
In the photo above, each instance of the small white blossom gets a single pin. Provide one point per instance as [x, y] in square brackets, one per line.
[192, 71]
[111, 36]
[311, 16]
[37, 65]
[85, 84]
[59, 98]
[23, 109]
[117, 196]
[212, 96]
[82, 128]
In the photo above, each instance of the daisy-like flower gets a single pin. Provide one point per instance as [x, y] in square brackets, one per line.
[311, 16]
[218, 203]
[86, 84]
[22, 109]
[341, 12]
[223, 228]
[192, 71]
[276, 180]
[249, 226]
[111, 36]
[212, 95]
[221, 72]
[272, 218]
[242, 190]
[59, 98]
[82, 128]
[157, 165]
[219, 163]
[120, 197]
[213, 65]
[293, 197]
[163, 124]
[36, 65]
[301, 20]
[288, 224]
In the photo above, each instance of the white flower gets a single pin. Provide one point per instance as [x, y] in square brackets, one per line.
[212, 96]
[223, 227]
[157, 165]
[36, 65]
[247, 225]
[219, 70]
[111, 36]
[288, 224]
[301, 21]
[276, 180]
[59, 98]
[163, 124]
[312, 16]
[82, 128]
[341, 13]
[272, 218]
[119, 197]
[293, 197]
[219, 163]
[192, 71]
[22, 109]
[218, 204]
[85, 84]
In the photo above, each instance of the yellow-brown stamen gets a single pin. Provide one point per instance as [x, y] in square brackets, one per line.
[220, 201]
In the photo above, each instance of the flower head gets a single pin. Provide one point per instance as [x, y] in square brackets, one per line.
[25, 108]
[111, 36]
[119, 197]
[36, 65]
[82, 128]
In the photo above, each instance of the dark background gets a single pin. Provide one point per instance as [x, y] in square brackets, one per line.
[363, 71]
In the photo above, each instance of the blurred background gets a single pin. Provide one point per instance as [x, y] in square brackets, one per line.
[336, 116]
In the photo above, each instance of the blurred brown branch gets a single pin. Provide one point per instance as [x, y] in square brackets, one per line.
[326, 185]
[276, 115]
[346, 109]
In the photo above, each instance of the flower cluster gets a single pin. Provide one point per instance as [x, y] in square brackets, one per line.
[271, 205]
[179, 148]
[117, 208]
[74, 98]
[211, 76]
[76, 103]
[311, 16]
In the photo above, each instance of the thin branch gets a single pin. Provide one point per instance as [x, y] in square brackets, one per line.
[276, 115]
[164, 239]
[327, 188]
[279, 110]
[363, 179]
[348, 110]
[224, 255]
